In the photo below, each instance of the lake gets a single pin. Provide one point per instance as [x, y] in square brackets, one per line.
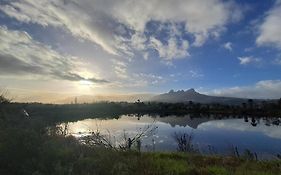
[211, 135]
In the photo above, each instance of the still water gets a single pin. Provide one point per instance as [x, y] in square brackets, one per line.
[210, 134]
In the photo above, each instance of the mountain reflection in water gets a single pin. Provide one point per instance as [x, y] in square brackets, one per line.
[260, 135]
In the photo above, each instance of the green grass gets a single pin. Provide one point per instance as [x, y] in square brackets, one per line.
[57, 155]
[180, 163]
[115, 162]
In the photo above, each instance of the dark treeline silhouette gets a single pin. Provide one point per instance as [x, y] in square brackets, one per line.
[53, 112]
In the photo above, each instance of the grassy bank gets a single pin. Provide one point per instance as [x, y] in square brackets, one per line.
[27, 153]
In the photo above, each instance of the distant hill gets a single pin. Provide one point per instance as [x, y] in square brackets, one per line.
[99, 98]
[192, 95]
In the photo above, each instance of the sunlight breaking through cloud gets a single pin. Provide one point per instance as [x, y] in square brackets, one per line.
[19, 53]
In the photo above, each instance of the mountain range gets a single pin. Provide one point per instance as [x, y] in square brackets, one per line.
[191, 95]
[180, 96]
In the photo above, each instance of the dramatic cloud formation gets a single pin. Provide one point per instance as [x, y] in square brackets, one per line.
[121, 26]
[270, 29]
[127, 46]
[62, 14]
[20, 54]
[263, 89]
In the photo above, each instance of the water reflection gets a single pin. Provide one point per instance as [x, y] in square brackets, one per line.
[212, 134]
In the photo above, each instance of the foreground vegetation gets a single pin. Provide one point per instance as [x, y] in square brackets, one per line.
[30, 145]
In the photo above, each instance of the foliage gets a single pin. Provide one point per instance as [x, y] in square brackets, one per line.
[185, 142]
[97, 139]
[70, 112]
[3, 98]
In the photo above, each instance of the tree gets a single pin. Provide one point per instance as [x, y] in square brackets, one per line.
[244, 105]
[251, 103]
[190, 105]
[3, 99]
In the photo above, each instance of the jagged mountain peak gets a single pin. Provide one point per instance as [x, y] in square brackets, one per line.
[192, 95]
[189, 91]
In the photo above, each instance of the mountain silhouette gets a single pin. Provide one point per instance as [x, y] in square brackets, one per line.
[184, 121]
[182, 96]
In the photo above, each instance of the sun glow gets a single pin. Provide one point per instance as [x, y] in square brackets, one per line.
[84, 87]
[86, 83]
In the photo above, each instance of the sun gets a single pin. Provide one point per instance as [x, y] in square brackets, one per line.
[84, 87]
[85, 83]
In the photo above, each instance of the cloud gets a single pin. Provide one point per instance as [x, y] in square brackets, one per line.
[171, 50]
[228, 46]
[120, 69]
[248, 60]
[262, 89]
[149, 79]
[120, 27]
[21, 55]
[136, 14]
[270, 28]
[139, 80]
[11, 65]
[62, 14]
[196, 74]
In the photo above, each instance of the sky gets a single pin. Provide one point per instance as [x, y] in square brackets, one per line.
[52, 48]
